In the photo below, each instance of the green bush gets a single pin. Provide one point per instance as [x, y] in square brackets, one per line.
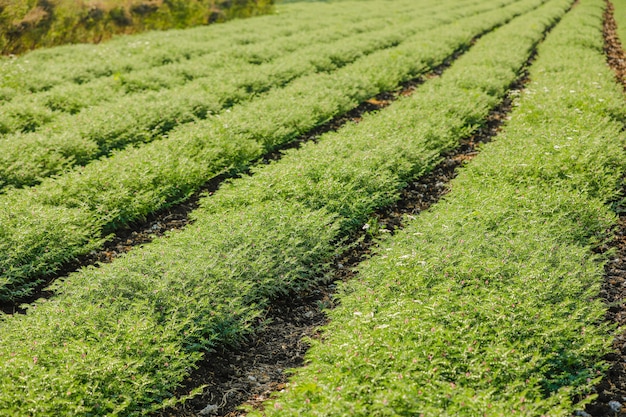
[32, 24]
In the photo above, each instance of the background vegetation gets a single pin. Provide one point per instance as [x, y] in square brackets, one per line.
[29, 24]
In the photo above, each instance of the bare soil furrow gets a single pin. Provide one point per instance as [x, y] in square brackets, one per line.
[612, 389]
[615, 55]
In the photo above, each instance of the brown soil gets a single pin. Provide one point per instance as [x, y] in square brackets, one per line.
[612, 389]
[615, 56]
[613, 386]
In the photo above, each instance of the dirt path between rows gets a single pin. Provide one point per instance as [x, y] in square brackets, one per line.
[611, 391]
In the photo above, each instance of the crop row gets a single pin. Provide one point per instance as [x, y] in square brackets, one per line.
[488, 303]
[42, 227]
[120, 337]
[136, 119]
[30, 111]
[43, 69]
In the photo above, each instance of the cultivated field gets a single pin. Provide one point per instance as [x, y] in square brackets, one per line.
[290, 142]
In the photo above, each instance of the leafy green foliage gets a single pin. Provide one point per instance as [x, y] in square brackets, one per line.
[90, 86]
[46, 69]
[145, 320]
